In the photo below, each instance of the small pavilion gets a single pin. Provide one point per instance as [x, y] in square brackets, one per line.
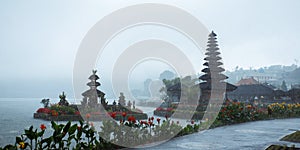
[92, 95]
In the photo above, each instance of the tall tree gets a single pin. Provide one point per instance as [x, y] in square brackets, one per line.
[147, 83]
[45, 102]
[168, 75]
[283, 86]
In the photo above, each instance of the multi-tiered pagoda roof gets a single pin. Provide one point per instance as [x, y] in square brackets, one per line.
[213, 71]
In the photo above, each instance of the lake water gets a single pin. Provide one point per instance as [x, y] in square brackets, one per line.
[16, 114]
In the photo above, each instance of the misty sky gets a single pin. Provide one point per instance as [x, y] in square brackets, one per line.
[39, 39]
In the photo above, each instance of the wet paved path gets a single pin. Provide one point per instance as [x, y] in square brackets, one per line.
[246, 136]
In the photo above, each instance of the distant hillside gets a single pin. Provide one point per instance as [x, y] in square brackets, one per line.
[274, 74]
[293, 76]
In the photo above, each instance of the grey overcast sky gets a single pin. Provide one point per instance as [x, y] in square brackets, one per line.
[39, 39]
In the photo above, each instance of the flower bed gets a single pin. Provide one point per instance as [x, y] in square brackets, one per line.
[67, 113]
[278, 110]
[236, 112]
[65, 134]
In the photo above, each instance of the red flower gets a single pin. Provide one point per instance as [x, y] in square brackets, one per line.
[54, 113]
[131, 119]
[43, 127]
[44, 110]
[124, 114]
[158, 120]
[144, 122]
[88, 115]
[77, 112]
[113, 115]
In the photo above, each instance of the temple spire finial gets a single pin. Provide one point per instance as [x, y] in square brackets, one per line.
[94, 72]
[212, 33]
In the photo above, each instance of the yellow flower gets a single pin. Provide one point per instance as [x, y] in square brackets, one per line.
[22, 145]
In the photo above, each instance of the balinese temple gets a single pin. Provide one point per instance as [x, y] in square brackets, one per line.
[212, 76]
[92, 95]
[213, 79]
